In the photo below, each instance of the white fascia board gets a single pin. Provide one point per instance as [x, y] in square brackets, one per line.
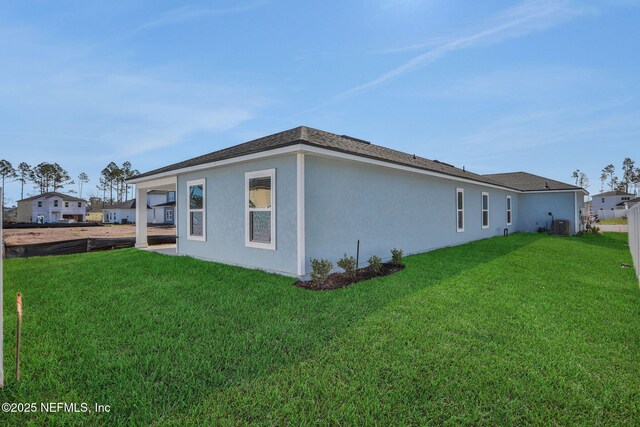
[249, 157]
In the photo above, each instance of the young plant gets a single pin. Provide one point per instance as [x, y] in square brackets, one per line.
[320, 270]
[396, 256]
[375, 263]
[348, 264]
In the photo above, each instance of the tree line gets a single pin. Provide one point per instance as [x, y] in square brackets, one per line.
[46, 177]
[629, 181]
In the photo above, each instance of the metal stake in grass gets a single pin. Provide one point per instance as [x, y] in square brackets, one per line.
[19, 330]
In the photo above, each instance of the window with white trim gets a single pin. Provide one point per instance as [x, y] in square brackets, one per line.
[460, 209]
[196, 210]
[509, 210]
[485, 209]
[260, 206]
[66, 204]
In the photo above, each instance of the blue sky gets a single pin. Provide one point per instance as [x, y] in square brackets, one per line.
[540, 86]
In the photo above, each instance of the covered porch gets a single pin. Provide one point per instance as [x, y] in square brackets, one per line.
[142, 220]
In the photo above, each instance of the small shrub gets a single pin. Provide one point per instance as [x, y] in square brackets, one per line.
[348, 264]
[320, 270]
[396, 256]
[375, 263]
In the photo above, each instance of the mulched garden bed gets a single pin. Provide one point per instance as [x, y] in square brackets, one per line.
[339, 280]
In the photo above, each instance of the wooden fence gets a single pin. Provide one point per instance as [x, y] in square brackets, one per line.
[634, 236]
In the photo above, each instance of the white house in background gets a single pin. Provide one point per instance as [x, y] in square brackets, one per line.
[52, 207]
[160, 209]
[610, 200]
[122, 213]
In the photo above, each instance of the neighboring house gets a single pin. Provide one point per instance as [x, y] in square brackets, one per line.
[52, 207]
[630, 203]
[610, 200]
[122, 213]
[160, 206]
[276, 202]
[10, 214]
[163, 204]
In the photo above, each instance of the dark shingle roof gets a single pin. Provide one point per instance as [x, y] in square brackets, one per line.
[346, 144]
[318, 138]
[613, 193]
[129, 204]
[165, 204]
[54, 194]
[524, 181]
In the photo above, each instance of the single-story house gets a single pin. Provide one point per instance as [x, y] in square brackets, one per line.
[276, 202]
[610, 200]
[52, 207]
[160, 206]
[122, 213]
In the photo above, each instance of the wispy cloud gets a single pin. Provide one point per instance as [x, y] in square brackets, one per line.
[189, 13]
[585, 127]
[526, 18]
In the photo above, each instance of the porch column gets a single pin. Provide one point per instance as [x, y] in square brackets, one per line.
[141, 217]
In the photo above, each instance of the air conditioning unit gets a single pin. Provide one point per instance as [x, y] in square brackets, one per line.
[561, 227]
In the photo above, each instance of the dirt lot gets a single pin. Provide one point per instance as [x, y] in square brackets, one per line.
[42, 235]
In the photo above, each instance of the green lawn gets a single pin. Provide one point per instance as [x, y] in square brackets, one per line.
[528, 329]
[613, 221]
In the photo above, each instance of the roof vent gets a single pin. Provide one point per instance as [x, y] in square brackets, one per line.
[362, 141]
[443, 163]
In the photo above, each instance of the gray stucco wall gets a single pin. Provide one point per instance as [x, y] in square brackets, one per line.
[535, 208]
[350, 201]
[386, 208]
[225, 212]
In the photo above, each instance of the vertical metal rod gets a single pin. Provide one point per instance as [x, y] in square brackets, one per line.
[1, 310]
[358, 254]
[18, 333]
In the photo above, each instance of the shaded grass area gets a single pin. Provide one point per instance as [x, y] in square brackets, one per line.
[524, 329]
[613, 221]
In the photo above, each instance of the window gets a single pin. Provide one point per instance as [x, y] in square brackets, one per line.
[508, 210]
[485, 210]
[171, 196]
[39, 204]
[79, 204]
[66, 204]
[55, 203]
[260, 219]
[196, 208]
[460, 209]
[603, 200]
[168, 215]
